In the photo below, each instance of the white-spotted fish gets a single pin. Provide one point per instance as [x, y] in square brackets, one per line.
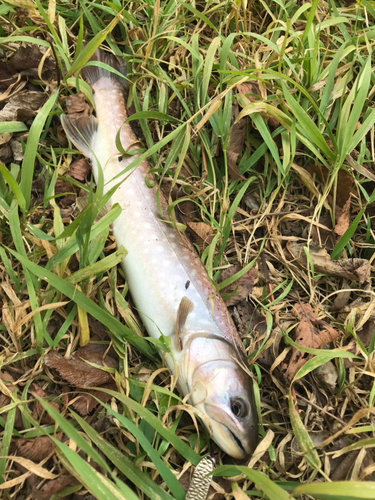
[168, 283]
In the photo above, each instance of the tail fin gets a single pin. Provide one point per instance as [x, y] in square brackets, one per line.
[94, 73]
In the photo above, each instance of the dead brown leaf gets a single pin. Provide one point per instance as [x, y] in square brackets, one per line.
[28, 58]
[54, 486]
[76, 105]
[344, 187]
[343, 219]
[79, 169]
[36, 449]
[202, 234]
[7, 76]
[242, 287]
[311, 332]
[352, 269]
[236, 144]
[324, 237]
[85, 403]
[344, 183]
[249, 92]
[79, 373]
[38, 410]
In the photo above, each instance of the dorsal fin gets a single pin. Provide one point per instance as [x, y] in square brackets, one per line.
[81, 131]
[184, 309]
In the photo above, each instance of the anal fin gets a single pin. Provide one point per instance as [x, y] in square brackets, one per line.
[184, 309]
[81, 131]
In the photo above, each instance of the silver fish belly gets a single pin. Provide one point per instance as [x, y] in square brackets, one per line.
[167, 281]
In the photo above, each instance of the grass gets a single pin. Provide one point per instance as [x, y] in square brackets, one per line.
[309, 124]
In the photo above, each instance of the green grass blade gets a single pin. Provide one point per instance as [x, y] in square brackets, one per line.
[115, 327]
[207, 71]
[164, 471]
[27, 170]
[10, 127]
[72, 245]
[265, 133]
[122, 462]
[307, 125]
[73, 434]
[167, 434]
[93, 481]
[13, 186]
[15, 229]
[304, 441]
[338, 490]
[84, 55]
[99, 267]
[345, 238]
[264, 483]
[5, 443]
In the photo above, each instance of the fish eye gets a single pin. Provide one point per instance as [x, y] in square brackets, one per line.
[238, 407]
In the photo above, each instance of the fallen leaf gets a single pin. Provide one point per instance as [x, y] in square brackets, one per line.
[344, 187]
[21, 107]
[38, 410]
[79, 373]
[236, 144]
[28, 57]
[249, 92]
[54, 486]
[36, 449]
[7, 75]
[341, 299]
[85, 403]
[310, 332]
[344, 181]
[202, 234]
[63, 186]
[343, 220]
[76, 105]
[79, 169]
[352, 269]
[324, 236]
[242, 287]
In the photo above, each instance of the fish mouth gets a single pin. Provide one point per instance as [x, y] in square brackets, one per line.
[245, 453]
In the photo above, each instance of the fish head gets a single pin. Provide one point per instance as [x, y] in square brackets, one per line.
[224, 393]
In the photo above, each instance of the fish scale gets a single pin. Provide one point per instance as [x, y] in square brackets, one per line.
[206, 349]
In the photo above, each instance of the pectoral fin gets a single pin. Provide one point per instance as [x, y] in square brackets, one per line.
[184, 309]
[81, 131]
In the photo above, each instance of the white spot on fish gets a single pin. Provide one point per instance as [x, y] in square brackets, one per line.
[147, 225]
[130, 191]
[137, 214]
[159, 248]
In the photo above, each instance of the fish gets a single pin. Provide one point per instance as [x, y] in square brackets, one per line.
[206, 355]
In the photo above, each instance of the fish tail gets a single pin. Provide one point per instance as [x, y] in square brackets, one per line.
[113, 71]
[108, 75]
